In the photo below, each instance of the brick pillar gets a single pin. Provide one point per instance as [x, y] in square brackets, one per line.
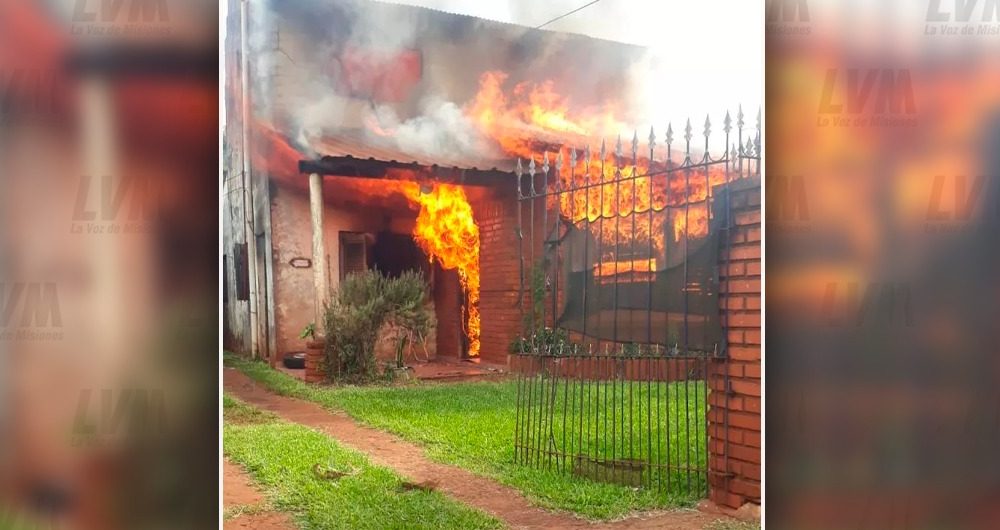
[735, 451]
[499, 261]
[315, 362]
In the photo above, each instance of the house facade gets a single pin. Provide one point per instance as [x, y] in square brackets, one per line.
[319, 85]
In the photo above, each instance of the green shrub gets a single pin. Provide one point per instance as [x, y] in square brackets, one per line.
[367, 304]
[547, 341]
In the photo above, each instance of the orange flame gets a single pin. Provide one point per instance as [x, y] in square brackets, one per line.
[608, 192]
[447, 232]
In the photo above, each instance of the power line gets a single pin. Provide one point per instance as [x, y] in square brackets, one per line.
[567, 14]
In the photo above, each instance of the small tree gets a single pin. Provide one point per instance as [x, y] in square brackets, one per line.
[366, 304]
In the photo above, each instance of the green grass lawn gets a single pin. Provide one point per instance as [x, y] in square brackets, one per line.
[472, 425]
[281, 456]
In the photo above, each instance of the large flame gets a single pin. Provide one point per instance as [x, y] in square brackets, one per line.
[624, 200]
[447, 232]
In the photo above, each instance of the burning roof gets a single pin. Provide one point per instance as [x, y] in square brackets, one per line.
[353, 155]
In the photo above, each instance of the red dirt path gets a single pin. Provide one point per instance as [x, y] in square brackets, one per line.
[409, 461]
[237, 490]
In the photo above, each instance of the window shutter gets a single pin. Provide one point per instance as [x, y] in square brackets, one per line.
[353, 253]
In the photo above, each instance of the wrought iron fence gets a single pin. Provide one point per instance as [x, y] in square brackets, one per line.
[619, 296]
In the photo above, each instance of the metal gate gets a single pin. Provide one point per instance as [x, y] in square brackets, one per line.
[619, 258]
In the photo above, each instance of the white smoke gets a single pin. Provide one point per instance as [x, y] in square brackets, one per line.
[442, 129]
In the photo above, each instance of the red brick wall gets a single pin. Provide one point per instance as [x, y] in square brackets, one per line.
[735, 453]
[499, 263]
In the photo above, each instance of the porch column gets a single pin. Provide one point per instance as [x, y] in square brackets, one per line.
[318, 249]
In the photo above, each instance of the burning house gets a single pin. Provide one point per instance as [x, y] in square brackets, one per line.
[368, 135]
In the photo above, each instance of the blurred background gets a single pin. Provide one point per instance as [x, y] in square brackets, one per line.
[882, 271]
[108, 264]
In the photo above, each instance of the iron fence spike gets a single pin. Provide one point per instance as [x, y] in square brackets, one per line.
[519, 170]
[670, 134]
[531, 172]
[652, 137]
[572, 158]
[739, 117]
[603, 150]
[635, 143]
[545, 163]
[687, 136]
[727, 123]
[618, 146]
[708, 126]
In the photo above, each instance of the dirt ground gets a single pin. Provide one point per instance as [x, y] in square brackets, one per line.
[237, 490]
[409, 461]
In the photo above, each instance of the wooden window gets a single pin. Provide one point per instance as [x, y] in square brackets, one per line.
[353, 253]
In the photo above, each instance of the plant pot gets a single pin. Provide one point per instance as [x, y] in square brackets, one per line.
[295, 360]
[315, 364]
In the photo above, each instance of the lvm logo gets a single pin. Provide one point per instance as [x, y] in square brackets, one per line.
[113, 414]
[879, 303]
[787, 204]
[960, 202]
[28, 92]
[787, 17]
[871, 97]
[976, 18]
[30, 311]
[116, 18]
[114, 206]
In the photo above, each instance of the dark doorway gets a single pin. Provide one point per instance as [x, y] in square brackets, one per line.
[394, 254]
